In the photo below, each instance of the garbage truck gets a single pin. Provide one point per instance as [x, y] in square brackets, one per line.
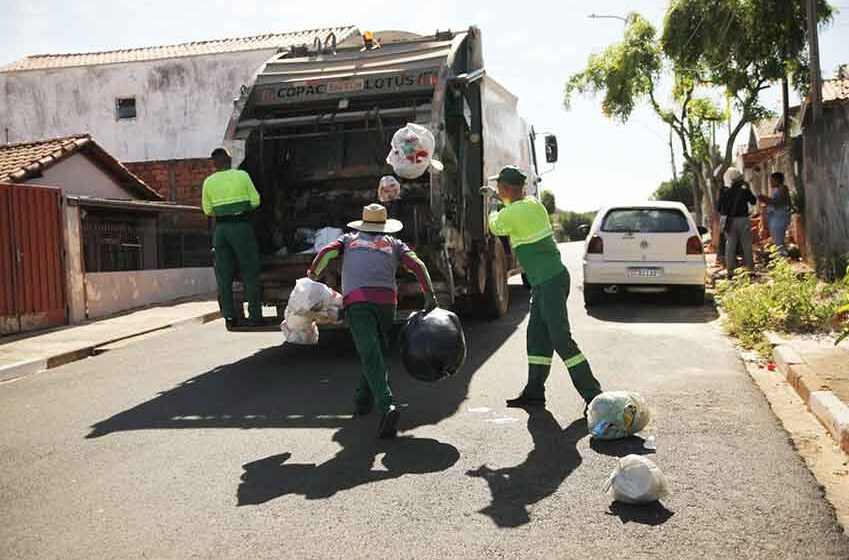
[313, 130]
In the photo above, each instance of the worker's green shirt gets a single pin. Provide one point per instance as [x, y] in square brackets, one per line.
[229, 192]
[527, 224]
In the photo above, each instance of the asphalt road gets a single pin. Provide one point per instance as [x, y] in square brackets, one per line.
[207, 444]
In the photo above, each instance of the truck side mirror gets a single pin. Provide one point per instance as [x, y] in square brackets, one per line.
[551, 148]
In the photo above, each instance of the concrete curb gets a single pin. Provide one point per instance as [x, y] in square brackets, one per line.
[199, 320]
[829, 410]
[22, 369]
[35, 365]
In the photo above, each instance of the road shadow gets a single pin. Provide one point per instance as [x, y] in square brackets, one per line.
[631, 445]
[554, 457]
[651, 308]
[272, 477]
[310, 386]
[652, 514]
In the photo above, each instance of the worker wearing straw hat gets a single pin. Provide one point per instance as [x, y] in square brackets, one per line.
[370, 292]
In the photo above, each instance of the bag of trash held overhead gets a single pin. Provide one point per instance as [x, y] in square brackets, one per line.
[617, 414]
[636, 480]
[433, 345]
[412, 152]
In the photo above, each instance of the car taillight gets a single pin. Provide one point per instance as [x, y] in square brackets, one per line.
[694, 245]
[596, 246]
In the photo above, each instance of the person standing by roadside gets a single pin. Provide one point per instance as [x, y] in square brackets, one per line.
[229, 196]
[370, 293]
[777, 210]
[734, 205]
[526, 221]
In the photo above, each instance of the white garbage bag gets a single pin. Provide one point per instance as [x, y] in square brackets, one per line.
[309, 296]
[324, 236]
[617, 414]
[389, 189]
[299, 335]
[412, 151]
[308, 302]
[636, 480]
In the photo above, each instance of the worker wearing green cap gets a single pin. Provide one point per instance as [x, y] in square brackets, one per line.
[526, 221]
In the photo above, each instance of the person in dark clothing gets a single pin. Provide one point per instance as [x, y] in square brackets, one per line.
[734, 204]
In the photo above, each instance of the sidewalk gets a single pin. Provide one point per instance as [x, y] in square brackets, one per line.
[24, 355]
[819, 372]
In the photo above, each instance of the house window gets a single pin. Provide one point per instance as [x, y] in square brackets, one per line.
[125, 108]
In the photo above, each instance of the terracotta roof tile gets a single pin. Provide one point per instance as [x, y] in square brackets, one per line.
[217, 46]
[22, 161]
[835, 90]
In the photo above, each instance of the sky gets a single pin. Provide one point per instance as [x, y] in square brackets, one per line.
[531, 47]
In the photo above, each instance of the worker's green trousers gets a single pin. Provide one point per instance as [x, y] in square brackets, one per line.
[371, 328]
[548, 331]
[234, 243]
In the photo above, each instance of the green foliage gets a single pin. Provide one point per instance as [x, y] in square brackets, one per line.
[784, 301]
[840, 321]
[570, 223]
[738, 44]
[677, 190]
[625, 71]
[547, 200]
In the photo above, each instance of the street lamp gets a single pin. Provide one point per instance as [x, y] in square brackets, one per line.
[597, 16]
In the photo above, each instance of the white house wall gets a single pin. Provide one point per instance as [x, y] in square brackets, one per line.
[183, 104]
[78, 176]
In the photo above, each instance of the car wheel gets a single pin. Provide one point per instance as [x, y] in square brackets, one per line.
[593, 294]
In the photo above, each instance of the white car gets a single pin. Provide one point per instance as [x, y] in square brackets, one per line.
[645, 247]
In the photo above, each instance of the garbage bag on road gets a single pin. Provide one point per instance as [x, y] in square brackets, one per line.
[412, 151]
[617, 414]
[636, 480]
[433, 345]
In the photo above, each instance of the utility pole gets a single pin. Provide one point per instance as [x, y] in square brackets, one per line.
[785, 107]
[814, 50]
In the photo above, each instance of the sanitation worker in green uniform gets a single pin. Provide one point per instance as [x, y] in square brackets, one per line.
[526, 221]
[229, 195]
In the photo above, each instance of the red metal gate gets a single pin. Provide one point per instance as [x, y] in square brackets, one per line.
[32, 293]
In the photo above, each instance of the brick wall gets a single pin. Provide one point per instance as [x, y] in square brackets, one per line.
[178, 180]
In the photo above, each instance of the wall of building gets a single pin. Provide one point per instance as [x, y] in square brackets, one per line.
[183, 104]
[78, 176]
[180, 181]
[74, 269]
[827, 186]
[107, 293]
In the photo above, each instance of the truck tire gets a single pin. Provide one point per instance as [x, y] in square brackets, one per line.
[497, 295]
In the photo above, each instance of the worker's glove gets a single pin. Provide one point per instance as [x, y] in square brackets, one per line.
[430, 302]
[485, 190]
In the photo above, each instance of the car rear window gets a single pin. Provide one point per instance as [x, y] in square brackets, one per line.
[645, 220]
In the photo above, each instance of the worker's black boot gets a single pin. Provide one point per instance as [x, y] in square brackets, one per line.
[523, 400]
[389, 423]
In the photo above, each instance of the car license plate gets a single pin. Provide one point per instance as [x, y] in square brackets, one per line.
[644, 272]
